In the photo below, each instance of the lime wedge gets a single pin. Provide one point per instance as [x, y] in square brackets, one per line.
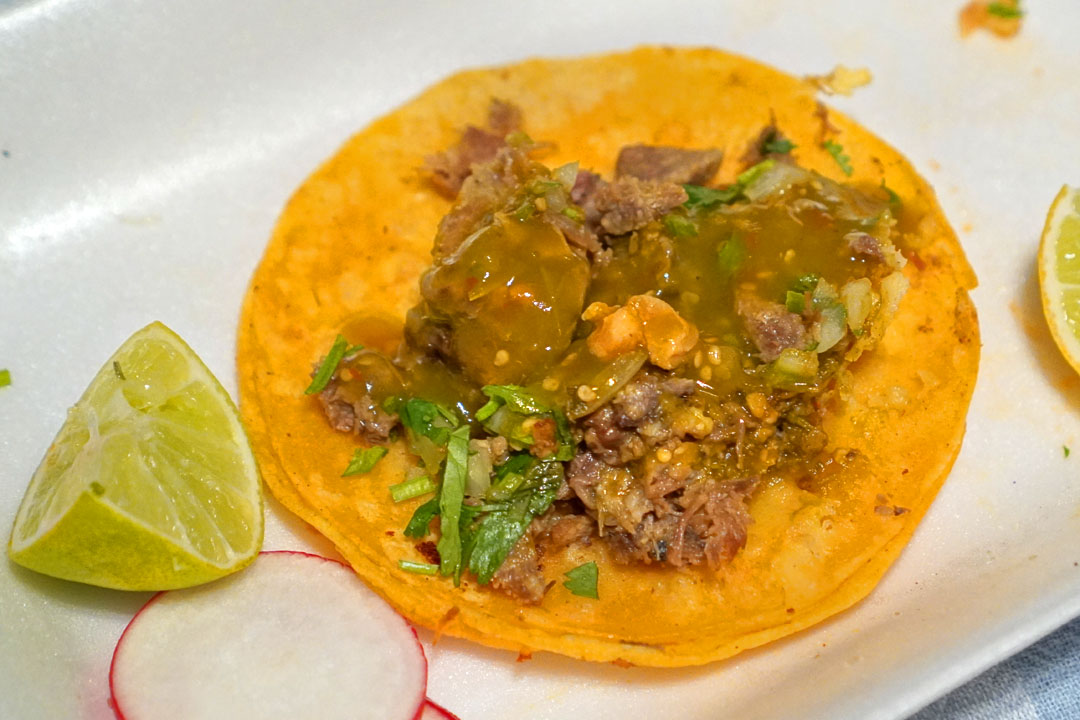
[150, 484]
[1059, 272]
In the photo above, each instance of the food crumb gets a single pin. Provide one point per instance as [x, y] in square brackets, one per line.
[841, 81]
[1002, 18]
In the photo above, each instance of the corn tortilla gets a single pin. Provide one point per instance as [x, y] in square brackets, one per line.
[355, 237]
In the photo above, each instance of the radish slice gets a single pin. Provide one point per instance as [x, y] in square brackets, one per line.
[433, 711]
[294, 635]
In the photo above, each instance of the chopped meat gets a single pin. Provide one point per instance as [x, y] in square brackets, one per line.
[544, 441]
[611, 443]
[426, 336]
[865, 245]
[583, 194]
[644, 320]
[449, 169]
[361, 415]
[714, 519]
[562, 532]
[503, 117]
[578, 234]
[650, 542]
[673, 164]
[671, 473]
[682, 387]
[489, 187]
[637, 401]
[628, 203]
[519, 576]
[770, 326]
[583, 475]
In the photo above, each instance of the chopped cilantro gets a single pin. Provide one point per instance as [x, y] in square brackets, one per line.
[451, 498]
[574, 214]
[778, 146]
[837, 151]
[5, 377]
[680, 226]
[1005, 10]
[806, 283]
[1065, 449]
[517, 398]
[363, 460]
[117, 371]
[423, 417]
[412, 488]
[421, 519]
[326, 370]
[567, 445]
[524, 211]
[704, 197]
[508, 410]
[731, 254]
[501, 528]
[418, 568]
[795, 302]
[581, 581]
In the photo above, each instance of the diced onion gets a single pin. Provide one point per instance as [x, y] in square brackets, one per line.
[858, 297]
[832, 327]
[774, 181]
[566, 175]
[478, 476]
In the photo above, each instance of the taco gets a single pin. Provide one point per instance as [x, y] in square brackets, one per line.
[644, 357]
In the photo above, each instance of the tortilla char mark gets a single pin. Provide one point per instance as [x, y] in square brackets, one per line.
[622, 361]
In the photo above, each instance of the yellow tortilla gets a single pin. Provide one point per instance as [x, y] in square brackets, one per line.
[355, 237]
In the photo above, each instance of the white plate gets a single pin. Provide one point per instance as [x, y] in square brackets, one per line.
[151, 145]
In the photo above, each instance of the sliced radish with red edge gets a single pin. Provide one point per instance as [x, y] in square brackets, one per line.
[434, 711]
[294, 635]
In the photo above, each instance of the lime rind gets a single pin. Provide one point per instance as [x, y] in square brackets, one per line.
[151, 482]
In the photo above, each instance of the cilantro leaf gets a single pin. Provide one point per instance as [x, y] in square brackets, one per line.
[425, 418]
[1005, 10]
[581, 581]
[421, 518]
[806, 283]
[837, 151]
[326, 370]
[778, 146]
[704, 197]
[451, 498]
[680, 226]
[1065, 449]
[364, 459]
[5, 377]
[500, 529]
[517, 398]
